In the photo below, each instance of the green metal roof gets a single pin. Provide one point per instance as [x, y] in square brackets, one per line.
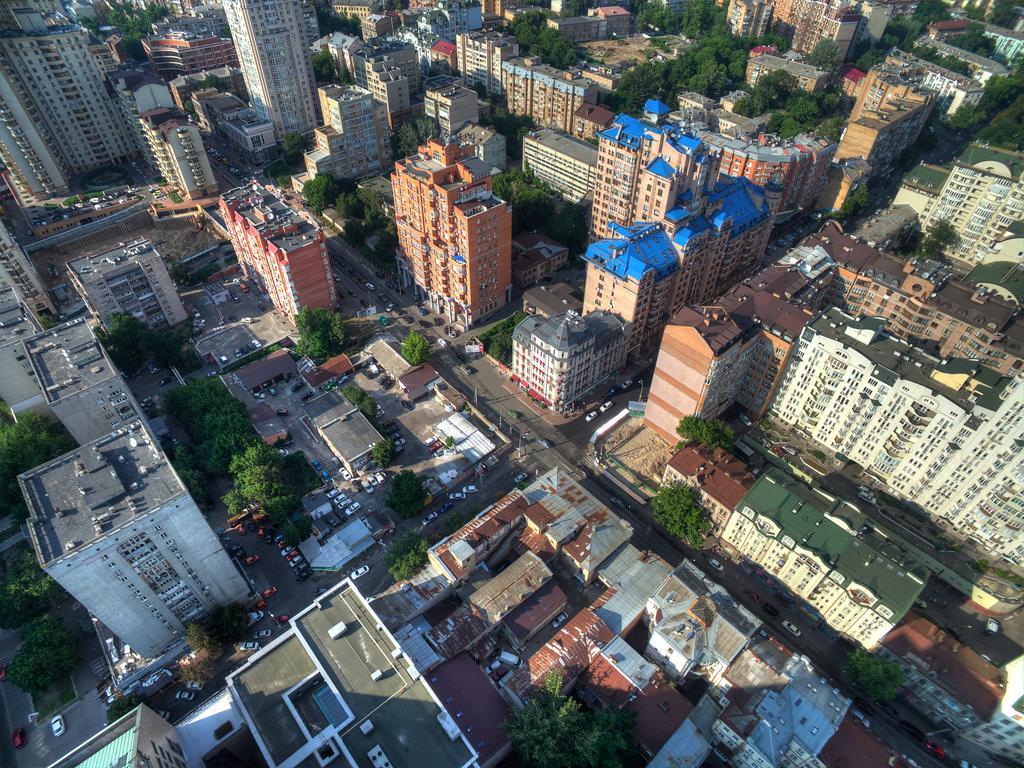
[808, 516]
[927, 177]
[120, 752]
[976, 153]
[1007, 274]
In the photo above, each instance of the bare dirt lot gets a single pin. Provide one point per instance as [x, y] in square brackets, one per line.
[630, 50]
[639, 450]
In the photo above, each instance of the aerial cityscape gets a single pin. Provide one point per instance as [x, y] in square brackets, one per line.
[511, 383]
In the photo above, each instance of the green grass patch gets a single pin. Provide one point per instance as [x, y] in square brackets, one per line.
[175, 197]
[54, 699]
[70, 200]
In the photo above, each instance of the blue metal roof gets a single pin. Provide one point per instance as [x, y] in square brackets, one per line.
[737, 205]
[630, 132]
[634, 251]
[656, 107]
[661, 168]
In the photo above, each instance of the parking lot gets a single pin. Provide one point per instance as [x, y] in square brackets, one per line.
[228, 327]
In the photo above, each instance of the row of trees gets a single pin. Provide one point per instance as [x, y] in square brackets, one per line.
[322, 333]
[47, 654]
[497, 339]
[270, 483]
[25, 444]
[26, 591]
[131, 344]
[537, 208]
[536, 38]
[133, 23]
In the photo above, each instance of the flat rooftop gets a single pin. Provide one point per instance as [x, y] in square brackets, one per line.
[308, 691]
[563, 144]
[113, 261]
[92, 490]
[16, 322]
[348, 432]
[271, 216]
[68, 359]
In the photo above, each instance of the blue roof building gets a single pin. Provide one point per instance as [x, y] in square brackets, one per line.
[633, 252]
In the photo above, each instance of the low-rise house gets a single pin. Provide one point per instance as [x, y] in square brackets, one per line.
[344, 428]
[719, 478]
[536, 257]
[266, 372]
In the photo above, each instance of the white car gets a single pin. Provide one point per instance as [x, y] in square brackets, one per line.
[262, 634]
[380, 476]
[744, 420]
[367, 486]
[606, 406]
[346, 474]
[250, 646]
[469, 489]
[194, 685]
[361, 571]
[456, 495]
[57, 724]
[371, 287]
[792, 628]
[389, 308]
[246, 319]
[591, 416]
[372, 479]
[715, 564]
[352, 508]
[188, 695]
[333, 492]
[559, 620]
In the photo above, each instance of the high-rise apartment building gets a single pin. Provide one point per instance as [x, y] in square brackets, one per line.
[112, 523]
[550, 96]
[714, 356]
[887, 118]
[177, 151]
[952, 90]
[944, 433]
[818, 548]
[651, 175]
[283, 251]
[130, 280]
[184, 53]
[270, 38]
[450, 104]
[750, 18]
[799, 166]
[565, 163]
[817, 20]
[1003, 734]
[924, 303]
[138, 90]
[390, 70]
[17, 269]
[454, 234]
[353, 141]
[562, 358]
[983, 198]
[58, 118]
[140, 737]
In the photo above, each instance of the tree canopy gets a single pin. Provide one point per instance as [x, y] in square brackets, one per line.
[940, 237]
[677, 510]
[710, 432]
[406, 556]
[121, 706]
[362, 400]
[536, 38]
[322, 333]
[26, 591]
[320, 192]
[48, 652]
[793, 109]
[271, 483]
[406, 495]
[325, 67]
[415, 348]
[25, 444]
[216, 422]
[1003, 13]
[292, 147]
[133, 23]
[878, 678]
[826, 56]
[554, 731]
[227, 624]
[411, 135]
[131, 343]
[383, 453]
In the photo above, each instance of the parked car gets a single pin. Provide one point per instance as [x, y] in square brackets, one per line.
[360, 571]
[992, 627]
[285, 551]
[771, 610]
[18, 738]
[591, 416]
[559, 620]
[715, 564]
[456, 495]
[57, 725]
[792, 628]
[162, 713]
[249, 646]
[605, 406]
[333, 492]
[252, 559]
[283, 619]
[255, 616]
[194, 685]
[469, 489]
[380, 477]
[189, 695]
[519, 478]
[744, 420]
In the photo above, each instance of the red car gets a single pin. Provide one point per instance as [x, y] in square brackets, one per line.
[252, 559]
[3, 672]
[293, 555]
[935, 749]
[283, 619]
[269, 591]
[18, 738]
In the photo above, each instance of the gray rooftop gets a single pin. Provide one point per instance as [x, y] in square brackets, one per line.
[336, 693]
[16, 322]
[794, 68]
[343, 425]
[569, 331]
[68, 359]
[269, 214]
[556, 141]
[83, 495]
[111, 263]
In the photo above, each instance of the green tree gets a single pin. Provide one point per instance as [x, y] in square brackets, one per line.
[453, 522]
[553, 731]
[413, 134]
[406, 556]
[383, 453]
[854, 203]
[878, 678]
[415, 349]
[325, 68]
[973, 39]
[297, 531]
[826, 56]
[199, 638]
[677, 510]
[328, 21]
[941, 236]
[320, 192]
[362, 400]
[126, 340]
[322, 333]
[709, 432]
[134, 23]
[48, 652]
[227, 624]
[406, 496]
[26, 591]
[928, 11]
[1003, 13]
[292, 147]
[25, 444]
[121, 706]
[217, 423]
[199, 669]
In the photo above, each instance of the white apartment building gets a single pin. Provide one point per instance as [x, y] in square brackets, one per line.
[479, 56]
[559, 359]
[983, 197]
[1003, 735]
[567, 164]
[177, 151]
[353, 141]
[57, 118]
[130, 280]
[18, 270]
[952, 90]
[138, 91]
[113, 524]
[944, 434]
[270, 37]
[860, 584]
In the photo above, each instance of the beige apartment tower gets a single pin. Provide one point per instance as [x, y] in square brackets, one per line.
[479, 56]
[177, 150]
[352, 143]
